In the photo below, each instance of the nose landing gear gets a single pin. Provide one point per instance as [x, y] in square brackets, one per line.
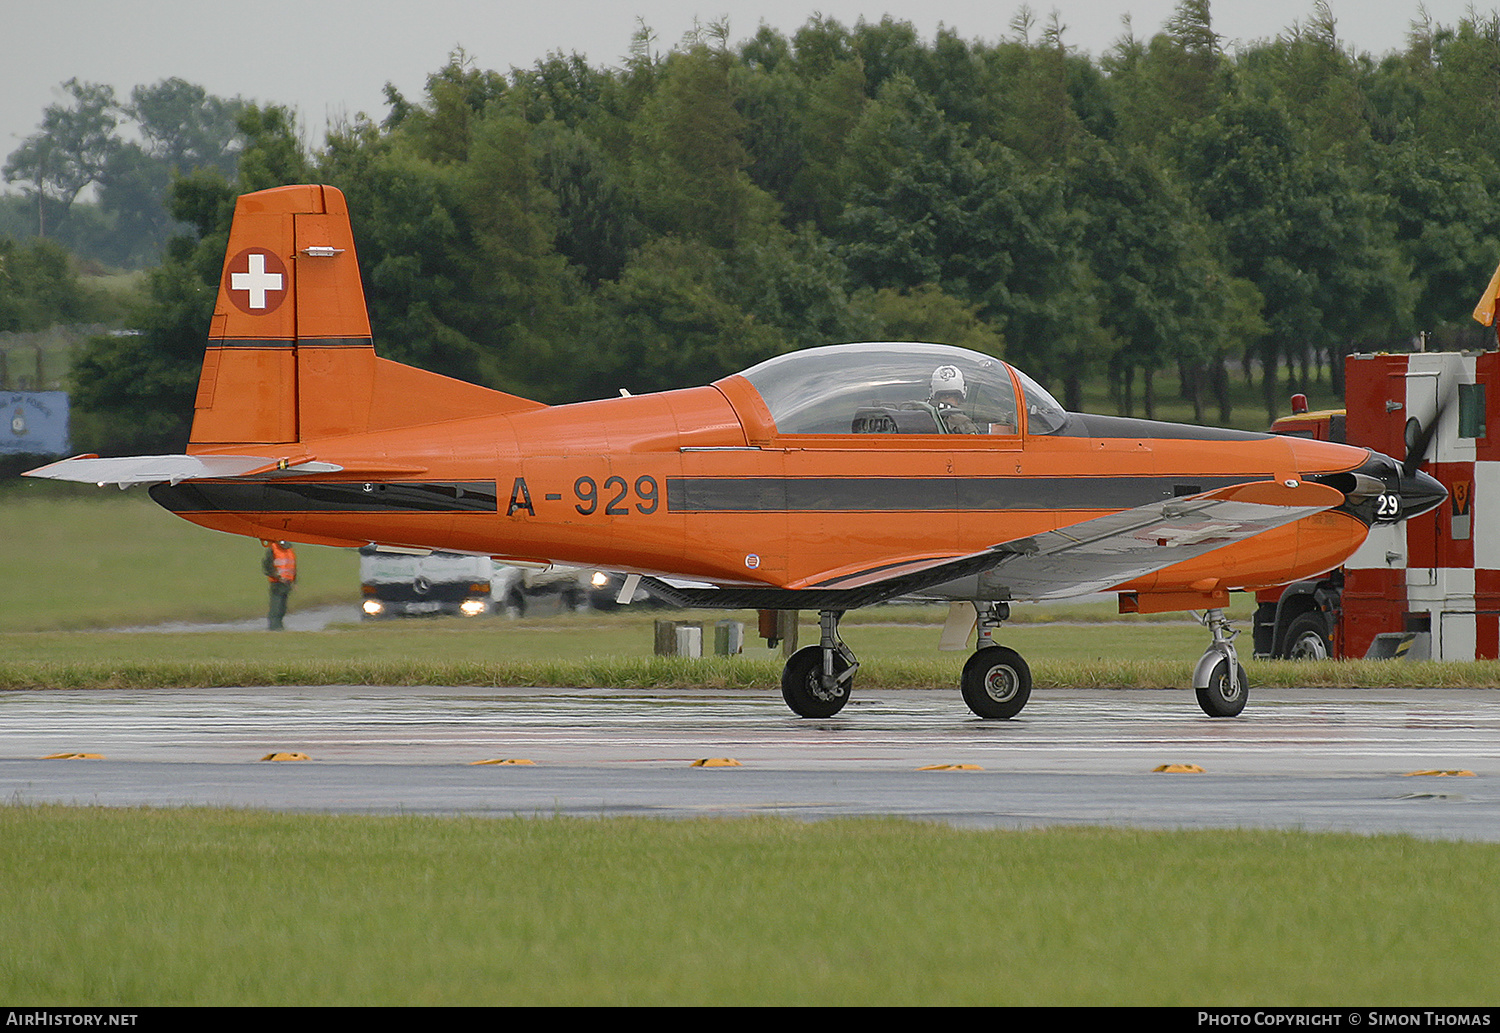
[1219, 679]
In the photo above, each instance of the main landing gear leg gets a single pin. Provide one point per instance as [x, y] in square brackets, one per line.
[1219, 678]
[996, 682]
[817, 679]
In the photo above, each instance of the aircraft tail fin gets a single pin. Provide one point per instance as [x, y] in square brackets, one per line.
[290, 356]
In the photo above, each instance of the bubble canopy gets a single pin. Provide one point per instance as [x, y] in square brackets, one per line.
[890, 388]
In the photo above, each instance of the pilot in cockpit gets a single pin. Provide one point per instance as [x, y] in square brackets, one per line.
[948, 391]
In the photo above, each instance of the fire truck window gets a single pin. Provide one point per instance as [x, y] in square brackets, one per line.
[1471, 410]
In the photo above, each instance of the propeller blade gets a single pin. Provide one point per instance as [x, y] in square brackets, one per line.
[1417, 448]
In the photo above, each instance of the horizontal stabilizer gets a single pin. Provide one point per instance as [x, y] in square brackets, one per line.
[130, 470]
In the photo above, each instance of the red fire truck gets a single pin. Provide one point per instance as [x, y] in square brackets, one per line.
[1428, 587]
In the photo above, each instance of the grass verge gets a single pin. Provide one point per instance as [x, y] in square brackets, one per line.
[615, 651]
[204, 907]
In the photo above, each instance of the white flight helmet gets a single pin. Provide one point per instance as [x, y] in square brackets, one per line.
[948, 380]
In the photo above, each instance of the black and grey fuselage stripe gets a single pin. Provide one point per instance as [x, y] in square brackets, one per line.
[327, 497]
[930, 494]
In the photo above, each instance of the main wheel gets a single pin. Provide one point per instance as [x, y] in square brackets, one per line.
[802, 683]
[1307, 638]
[996, 682]
[1225, 695]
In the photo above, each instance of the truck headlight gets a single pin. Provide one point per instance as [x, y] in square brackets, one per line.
[374, 607]
[472, 607]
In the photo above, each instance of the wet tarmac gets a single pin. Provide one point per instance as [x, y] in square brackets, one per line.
[1302, 759]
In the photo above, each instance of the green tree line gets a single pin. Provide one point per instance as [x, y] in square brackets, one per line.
[566, 230]
[126, 153]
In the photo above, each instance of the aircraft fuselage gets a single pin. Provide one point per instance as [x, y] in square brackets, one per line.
[678, 484]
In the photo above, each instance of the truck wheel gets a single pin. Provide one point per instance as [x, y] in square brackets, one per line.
[1307, 638]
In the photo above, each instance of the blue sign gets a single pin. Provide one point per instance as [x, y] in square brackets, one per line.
[34, 421]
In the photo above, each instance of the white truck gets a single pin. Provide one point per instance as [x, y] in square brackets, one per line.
[401, 584]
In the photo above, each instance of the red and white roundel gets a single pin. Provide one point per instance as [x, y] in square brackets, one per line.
[256, 281]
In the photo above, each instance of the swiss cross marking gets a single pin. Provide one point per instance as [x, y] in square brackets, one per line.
[257, 281]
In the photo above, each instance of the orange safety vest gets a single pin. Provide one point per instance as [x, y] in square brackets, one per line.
[285, 561]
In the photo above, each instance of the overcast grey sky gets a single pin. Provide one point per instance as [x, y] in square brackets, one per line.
[330, 58]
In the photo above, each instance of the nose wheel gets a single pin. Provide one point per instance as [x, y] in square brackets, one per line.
[1219, 679]
[1225, 694]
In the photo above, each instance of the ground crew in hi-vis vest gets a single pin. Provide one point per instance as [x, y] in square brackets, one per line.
[280, 567]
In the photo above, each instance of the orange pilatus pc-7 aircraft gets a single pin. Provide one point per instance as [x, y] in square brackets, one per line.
[823, 479]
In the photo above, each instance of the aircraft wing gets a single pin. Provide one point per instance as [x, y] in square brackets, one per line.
[1089, 556]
